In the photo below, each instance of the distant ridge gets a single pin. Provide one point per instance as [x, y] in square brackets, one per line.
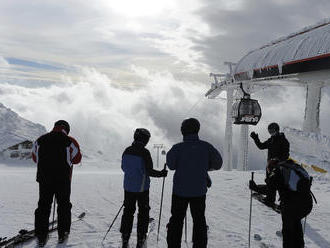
[15, 129]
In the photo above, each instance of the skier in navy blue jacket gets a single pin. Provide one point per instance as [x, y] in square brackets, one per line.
[137, 166]
[191, 160]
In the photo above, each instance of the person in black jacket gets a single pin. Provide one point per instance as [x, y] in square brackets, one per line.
[278, 148]
[137, 166]
[54, 153]
[191, 160]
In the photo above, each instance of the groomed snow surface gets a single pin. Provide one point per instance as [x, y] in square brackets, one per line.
[99, 193]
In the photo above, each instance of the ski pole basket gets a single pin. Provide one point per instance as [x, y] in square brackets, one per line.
[246, 110]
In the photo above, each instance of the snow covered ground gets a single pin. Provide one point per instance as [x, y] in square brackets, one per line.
[98, 192]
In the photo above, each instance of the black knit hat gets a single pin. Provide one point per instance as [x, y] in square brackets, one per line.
[142, 135]
[190, 126]
[274, 126]
[64, 124]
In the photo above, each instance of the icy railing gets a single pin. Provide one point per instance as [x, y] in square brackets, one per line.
[308, 147]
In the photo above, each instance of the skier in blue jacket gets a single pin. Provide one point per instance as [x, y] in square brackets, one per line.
[191, 160]
[137, 166]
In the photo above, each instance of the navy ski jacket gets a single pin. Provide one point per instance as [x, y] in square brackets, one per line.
[191, 160]
[138, 168]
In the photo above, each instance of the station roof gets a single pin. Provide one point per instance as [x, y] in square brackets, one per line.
[303, 51]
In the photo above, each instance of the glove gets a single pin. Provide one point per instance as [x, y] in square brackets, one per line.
[254, 135]
[163, 173]
[253, 186]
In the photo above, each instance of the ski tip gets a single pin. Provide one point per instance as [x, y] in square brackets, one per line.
[82, 215]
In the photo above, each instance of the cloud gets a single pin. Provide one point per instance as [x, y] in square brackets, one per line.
[150, 69]
[242, 26]
[102, 34]
[104, 116]
[3, 63]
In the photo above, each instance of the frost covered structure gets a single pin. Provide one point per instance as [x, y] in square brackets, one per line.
[304, 51]
[302, 58]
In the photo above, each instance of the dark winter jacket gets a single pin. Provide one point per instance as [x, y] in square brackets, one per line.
[54, 153]
[191, 160]
[138, 168]
[278, 146]
[285, 177]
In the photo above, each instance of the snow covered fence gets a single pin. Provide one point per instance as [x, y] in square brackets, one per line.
[309, 148]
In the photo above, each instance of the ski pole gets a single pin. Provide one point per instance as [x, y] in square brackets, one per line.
[54, 212]
[113, 222]
[161, 205]
[185, 229]
[252, 175]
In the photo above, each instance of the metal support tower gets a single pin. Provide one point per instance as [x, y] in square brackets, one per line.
[228, 154]
[158, 146]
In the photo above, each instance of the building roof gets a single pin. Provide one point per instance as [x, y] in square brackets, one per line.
[303, 51]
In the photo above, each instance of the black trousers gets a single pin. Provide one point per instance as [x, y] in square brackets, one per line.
[271, 191]
[293, 210]
[142, 199]
[178, 211]
[62, 193]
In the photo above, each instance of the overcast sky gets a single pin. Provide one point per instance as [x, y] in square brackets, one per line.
[110, 66]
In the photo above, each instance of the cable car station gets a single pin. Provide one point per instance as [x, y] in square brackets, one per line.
[300, 59]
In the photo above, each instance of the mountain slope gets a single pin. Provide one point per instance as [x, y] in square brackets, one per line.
[15, 129]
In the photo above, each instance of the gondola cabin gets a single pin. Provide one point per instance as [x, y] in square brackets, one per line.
[246, 111]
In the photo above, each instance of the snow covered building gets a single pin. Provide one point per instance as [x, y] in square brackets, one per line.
[22, 150]
[17, 134]
[302, 58]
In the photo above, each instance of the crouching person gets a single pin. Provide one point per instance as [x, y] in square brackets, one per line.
[191, 160]
[296, 199]
[138, 167]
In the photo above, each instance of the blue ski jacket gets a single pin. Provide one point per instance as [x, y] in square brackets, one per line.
[138, 168]
[191, 160]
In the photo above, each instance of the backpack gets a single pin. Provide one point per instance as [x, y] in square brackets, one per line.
[298, 181]
[296, 178]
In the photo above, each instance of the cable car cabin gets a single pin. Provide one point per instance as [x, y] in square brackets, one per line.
[246, 111]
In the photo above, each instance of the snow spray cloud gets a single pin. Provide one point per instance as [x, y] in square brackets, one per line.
[104, 116]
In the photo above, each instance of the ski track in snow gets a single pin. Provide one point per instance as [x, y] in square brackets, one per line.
[99, 193]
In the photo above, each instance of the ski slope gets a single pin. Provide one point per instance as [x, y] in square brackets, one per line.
[98, 192]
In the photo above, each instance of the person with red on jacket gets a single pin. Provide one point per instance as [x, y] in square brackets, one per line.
[55, 153]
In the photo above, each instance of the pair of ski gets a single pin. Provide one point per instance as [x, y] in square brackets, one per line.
[261, 198]
[25, 235]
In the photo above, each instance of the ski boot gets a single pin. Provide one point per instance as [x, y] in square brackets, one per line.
[125, 239]
[63, 237]
[141, 240]
[42, 240]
